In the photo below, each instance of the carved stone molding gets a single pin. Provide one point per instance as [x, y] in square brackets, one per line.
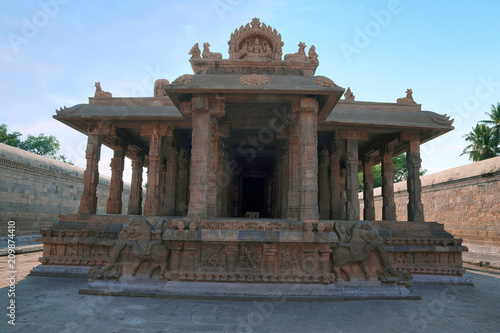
[182, 80]
[324, 81]
[254, 80]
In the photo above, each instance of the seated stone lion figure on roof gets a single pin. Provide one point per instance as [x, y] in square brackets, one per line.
[139, 243]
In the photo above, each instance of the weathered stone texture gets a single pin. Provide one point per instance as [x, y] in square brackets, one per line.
[465, 199]
[34, 190]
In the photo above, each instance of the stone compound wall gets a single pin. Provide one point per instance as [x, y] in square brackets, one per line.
[465, 199]
[34, 190]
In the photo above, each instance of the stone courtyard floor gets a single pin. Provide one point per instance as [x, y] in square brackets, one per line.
[47, 304]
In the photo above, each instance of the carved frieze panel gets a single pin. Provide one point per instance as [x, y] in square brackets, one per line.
[250, 257]
[213, 257]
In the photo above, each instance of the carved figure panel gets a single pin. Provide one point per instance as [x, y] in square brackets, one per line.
[138, 251]
[250, 256]
[288, 258]
[356, 242]
[213, 257]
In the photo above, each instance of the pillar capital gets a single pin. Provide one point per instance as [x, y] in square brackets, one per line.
[214, 104]
[409, 136]
[351, 134]
[387, 150]
[100, 128]
[305, 104]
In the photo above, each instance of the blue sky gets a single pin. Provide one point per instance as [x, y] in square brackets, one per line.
[52, 52]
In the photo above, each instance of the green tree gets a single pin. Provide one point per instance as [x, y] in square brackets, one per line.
[400, 172]
[42, 145]
[11, 139]
[484, 142]
[494, 116]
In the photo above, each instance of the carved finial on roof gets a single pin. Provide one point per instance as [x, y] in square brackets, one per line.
[159, 89]
[349, 95]
[408, 99]
[299, 56]
[256, 42]
[99, 93]
[255, 22]
[312, 55]
[195, 52]
[210, 55]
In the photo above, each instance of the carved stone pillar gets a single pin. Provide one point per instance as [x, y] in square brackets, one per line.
[172, 156]
[212, 183]
[217, 178]
[352, 180]
[152, 206]
[414, 185]
[114, 202]
[336, 184]
[283, 181]
[388, 205]
[225, 178]
[307, 111]
[135, 201]
[204, 114]
[88, 202]
[368, 180]
[292, 206]
[324, 188]
[181, 198]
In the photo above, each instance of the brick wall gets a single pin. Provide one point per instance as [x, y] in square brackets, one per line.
[465, 199]
[34, 190]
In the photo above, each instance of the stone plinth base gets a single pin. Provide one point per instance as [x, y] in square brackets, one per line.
[60, 270]
[276, 292]
[248, 250]
[441, 279]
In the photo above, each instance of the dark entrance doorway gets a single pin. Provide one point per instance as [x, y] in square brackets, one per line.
[253, 195]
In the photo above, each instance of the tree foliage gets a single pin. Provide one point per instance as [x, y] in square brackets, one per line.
[484, 143]
[494, 116]
[400, 172]
[11, 139]
[42, 144]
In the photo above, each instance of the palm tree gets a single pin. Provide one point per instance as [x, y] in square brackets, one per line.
[484, 143]
[494, 116]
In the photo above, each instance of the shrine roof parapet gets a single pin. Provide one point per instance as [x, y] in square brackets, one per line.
[131, 101]
[387, 118]
[383, 106]
[88, 111]
[255, 48]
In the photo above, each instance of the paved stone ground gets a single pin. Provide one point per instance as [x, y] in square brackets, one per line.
[45, 304]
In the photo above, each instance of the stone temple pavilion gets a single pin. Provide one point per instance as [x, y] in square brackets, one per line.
[253, 165]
